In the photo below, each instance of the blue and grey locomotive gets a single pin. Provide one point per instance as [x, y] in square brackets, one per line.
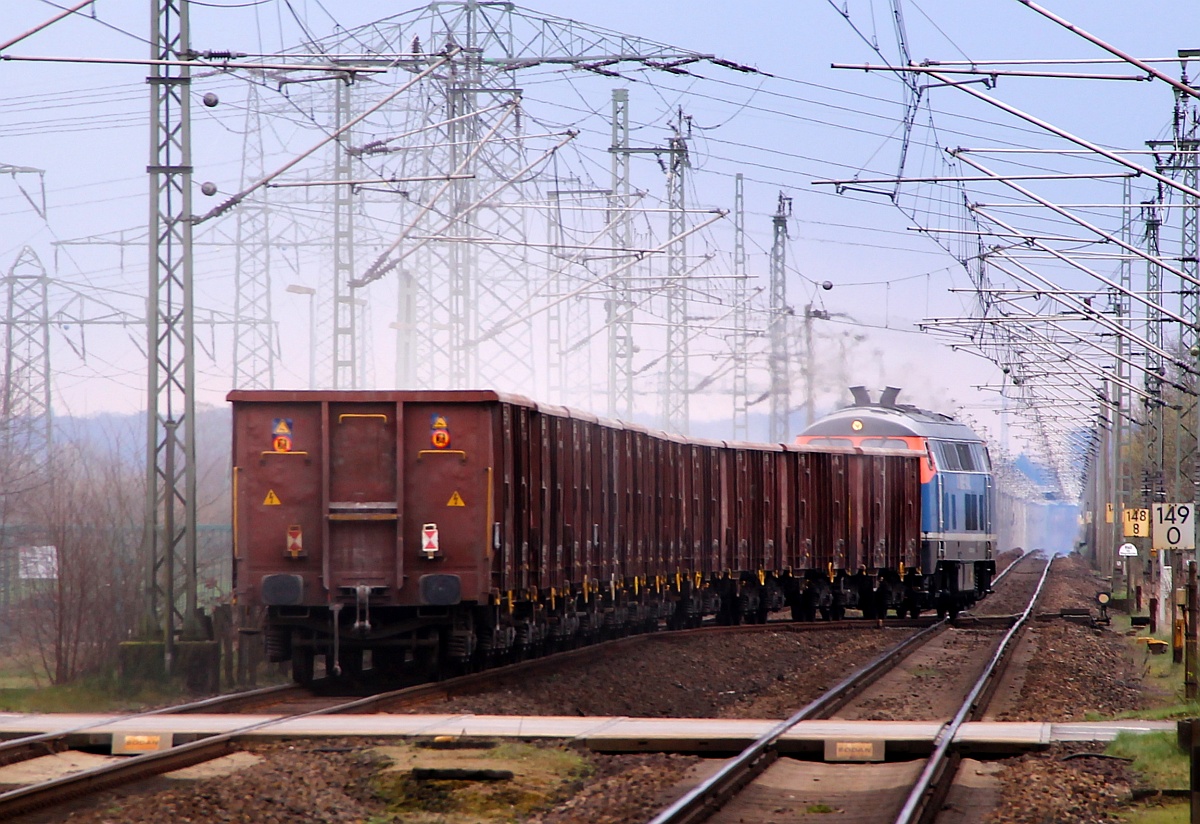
[957, 495]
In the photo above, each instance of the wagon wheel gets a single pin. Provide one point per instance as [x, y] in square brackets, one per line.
[302, 663]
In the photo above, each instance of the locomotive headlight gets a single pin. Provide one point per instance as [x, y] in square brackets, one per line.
[856, 425]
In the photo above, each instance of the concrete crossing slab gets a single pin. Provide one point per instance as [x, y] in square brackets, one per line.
[603, 732]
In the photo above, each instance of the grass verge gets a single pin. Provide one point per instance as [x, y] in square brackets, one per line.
[1157, 758]
[1164, 812]
[91, 694]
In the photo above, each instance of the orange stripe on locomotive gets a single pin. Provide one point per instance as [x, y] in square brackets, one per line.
[917, 443]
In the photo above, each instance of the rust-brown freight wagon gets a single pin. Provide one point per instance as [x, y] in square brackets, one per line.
[855, 522]
[426, 527]
[883, 529]
[377, 513]
[421, 527]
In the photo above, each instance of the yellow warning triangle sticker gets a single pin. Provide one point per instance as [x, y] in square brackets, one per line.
[272, 499]
[456, 500]
[281, 428]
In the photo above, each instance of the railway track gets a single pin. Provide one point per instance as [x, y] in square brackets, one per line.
[716, 797]
[290, 702]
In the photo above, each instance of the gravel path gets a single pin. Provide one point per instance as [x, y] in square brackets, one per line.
[1074, 670]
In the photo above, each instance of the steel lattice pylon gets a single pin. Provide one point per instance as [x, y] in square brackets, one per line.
[780, 385]
[473, 295]
[25, 421]
[346, 342]
[676, 384]
[619, 306]
[1152, 480]
[1187, 447]
[741, 355]
[25, 416]
[254, 339]
[1124, 491]
[170, 529]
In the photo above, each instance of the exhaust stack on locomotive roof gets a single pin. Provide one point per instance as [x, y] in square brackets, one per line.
[862, 396]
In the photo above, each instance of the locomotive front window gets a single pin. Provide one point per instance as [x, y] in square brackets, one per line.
[948, 456]
[965, 458]
[982, 459]
[962, 456]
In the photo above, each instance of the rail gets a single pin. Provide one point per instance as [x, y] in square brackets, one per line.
[463, 684]
[704, 799]
[930, 786]
[135, 768]
[1029, 553]
[707, 796]
[29, 746]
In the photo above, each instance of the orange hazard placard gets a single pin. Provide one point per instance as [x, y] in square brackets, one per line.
[440, 438]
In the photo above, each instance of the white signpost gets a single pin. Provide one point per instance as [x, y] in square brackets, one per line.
[1173, 527]
[1127, 551]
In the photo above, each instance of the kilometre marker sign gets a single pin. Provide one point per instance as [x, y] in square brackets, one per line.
[1173, 527]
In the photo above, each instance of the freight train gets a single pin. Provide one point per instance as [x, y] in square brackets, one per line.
[417, 531]
[958, 541]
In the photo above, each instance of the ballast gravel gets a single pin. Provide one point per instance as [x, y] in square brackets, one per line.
[760, 674]
[1077, 670]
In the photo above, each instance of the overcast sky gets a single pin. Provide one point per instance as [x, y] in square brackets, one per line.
[85, 125]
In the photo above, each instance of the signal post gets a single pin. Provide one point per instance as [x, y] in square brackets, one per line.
[1173, 536]
[1136, 528]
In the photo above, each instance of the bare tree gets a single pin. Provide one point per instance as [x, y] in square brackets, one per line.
[74, 611]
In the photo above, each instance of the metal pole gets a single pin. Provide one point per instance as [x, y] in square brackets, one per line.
[809, 368]
[620, 306]
[1194, 818]
[1190, 648]
[780, 382]
[171, 372]
[741, 391]
[169, 560]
